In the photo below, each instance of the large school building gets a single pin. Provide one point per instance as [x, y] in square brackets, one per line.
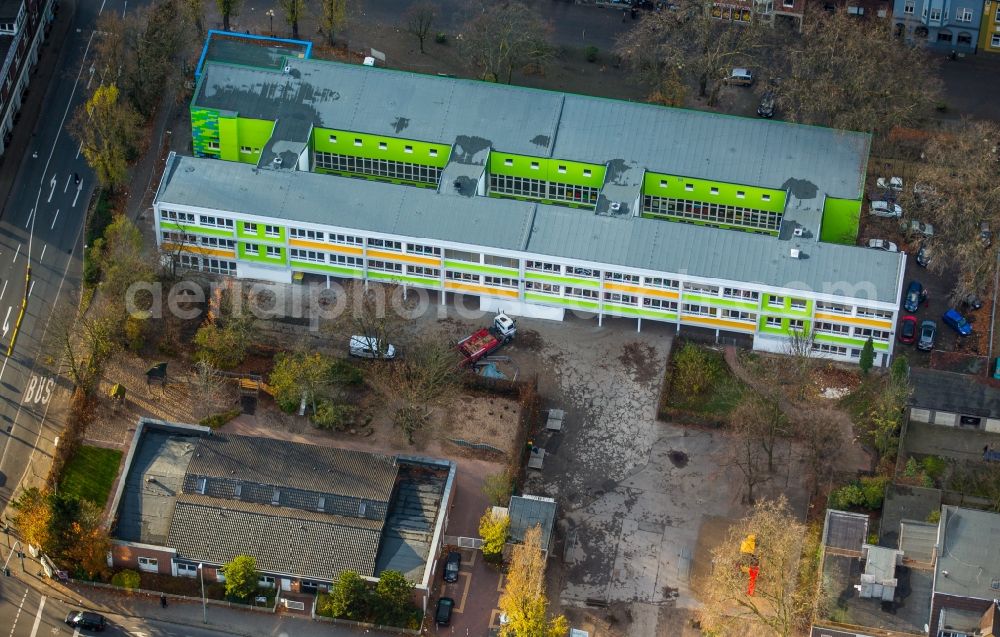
[535, 202]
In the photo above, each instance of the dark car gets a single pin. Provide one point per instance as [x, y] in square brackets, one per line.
[928, 331]
[451, 565]
[766, 107]
[923, 256]
[972, 301]
[908, 329]
[914, 296]
[443, 613]
[86, 620]
[957, 322]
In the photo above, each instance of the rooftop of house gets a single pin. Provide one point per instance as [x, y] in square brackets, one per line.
[528, 511]
[953, 392]
[912, 504]
[809, 161]
[299, 509]
[969, 553]
[646, 244]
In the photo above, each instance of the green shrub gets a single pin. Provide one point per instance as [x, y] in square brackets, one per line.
[217, 420]
[91, 268]
[135, 333]
[934, 466]
[332, 416]
[934, 516]
[899, 369]
[441, 38]
[694, 370]
[866, 493]
[911, 468]
[126, 579]
[591, 53]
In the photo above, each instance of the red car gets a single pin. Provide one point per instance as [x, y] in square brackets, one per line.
[908, 329]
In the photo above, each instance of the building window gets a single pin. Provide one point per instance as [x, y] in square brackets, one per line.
[377, 167]
[246, 150]
[855, 10]
[266, 581]
[179, 238]
[149, 564]
[826, 348]
[408, 149]
[944, 36]
[343, 259]
[586, 172]
[964, 38]
[561, 169]
[657, 282]
[251, 249]
[867, 332]
[624, 299]
[547, 288]
[414, 248]
[711, 213]
[689, 187]
[500, 281]
[663, 183]
[215, 222]
[461, 255]
[541, 266]
[212, 144]
[908, 7]
[935, 15]
[583, 272]
[700, 310]
[788, 4]
[384, 266]
[503, 262]
[312, 235]
[660, 304]
[833, 308]
[734, 293]
[187, 570]
[345, 239]
[179, 217]
[307, 255]
[776, 301]
[995, 41]
[217, 242]
[875, 314]
[832, 328]
[697, 288]
[250, 228]
[738, 315]
[765, 197]
[383, 146]
[462, 276]
[534, 165]
[622, 277]
[964, 15]
[798, 305]
[357, 142]
[508, 162]
[433, 152]
[773, 321]
[419, 270]
[796, 324]
[272, 231]
[583, 293]
[333, 139]
[713, 190]
[385, 244]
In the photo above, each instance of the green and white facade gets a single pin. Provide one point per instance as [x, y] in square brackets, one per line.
[534, 202]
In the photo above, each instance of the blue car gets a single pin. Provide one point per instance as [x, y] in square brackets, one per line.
[914, 296]
[957, 322]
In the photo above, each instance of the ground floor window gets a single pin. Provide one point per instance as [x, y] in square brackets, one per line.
[215, 266]
[187, 570]
[542, 189]
[378, 167]
[826, 348]
[149, 564]
[266, 581]
[547, 288]
[995, 41]
[714, 213]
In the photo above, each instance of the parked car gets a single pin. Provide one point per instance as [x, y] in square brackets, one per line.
[907, 329]
[985, 234]
[86, 620]
[928, 332]
[766, 106]
[917, 227]
[452, 564]
[442, 615]
[740, 77]
[369, 347]
[972, 301]
[882, 208]
[892, 183]
[957, 322]
[882, 244]
[915, 295]
[923, 256]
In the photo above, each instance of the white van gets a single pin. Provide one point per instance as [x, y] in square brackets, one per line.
[369, 347]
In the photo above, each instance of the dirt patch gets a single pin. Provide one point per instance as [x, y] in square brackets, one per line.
[639, 360]
[528, 340]
[678, 458]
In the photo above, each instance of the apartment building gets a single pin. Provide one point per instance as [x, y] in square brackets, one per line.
[948, 26]
[532, 201]
[989, 28]
[23, 25]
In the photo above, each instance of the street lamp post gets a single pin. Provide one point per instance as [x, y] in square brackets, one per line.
[270, 14]
[204, 604]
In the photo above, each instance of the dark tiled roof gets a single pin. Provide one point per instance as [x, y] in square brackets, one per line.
[279, 463]
[284, 541]
[955, 393]
[847, 531]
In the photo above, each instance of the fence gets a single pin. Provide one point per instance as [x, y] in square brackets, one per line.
[142, 591]
[479, 446]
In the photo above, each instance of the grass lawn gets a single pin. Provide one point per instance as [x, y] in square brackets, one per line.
[91, 473]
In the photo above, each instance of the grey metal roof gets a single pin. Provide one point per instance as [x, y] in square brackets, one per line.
[953, 392]
[280, 463]
[969, 552]
[810, 161]
[650, 244]
[844, 530]
[917, 540]
[283, 541]
[528, 512]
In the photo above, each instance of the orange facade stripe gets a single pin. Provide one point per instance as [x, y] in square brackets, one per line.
[856, 320]
[319, 245]
[199, 250]
[478, 289]
[733, 325]
[408, 258]
[635, 289]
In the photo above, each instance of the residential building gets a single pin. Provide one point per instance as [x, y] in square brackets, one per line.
[962, 401]
[771, 12]
[868, 9]
[23, 27]
[940, 24]
[191, 499]
[552, 202]
[989, 29]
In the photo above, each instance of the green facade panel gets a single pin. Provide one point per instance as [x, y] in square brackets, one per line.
[841, 219]
[261, 256]
[259, 234]
[411, 151]
[251, 136]
[204, 131]
[212, 232]
[678, 187]
[559, 170]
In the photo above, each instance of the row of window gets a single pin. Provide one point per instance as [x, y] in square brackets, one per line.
[936, 14]
[712, 213]
[825, 327]
[407, 148]
[215, 266]
[273, 232]
[378, 167]
[537, 166]
[542, 189]
[253, 249]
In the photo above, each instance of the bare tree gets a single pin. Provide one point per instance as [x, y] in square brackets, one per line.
[820, 432]
[759, 418]
[334, 17]
[294, 11]
[505, 37]
[800, 348]
[687, 42]
[747, 455]
[228, 9]
[419, 20]
[831, 77]
[957, 191]
[770, 541]
[81, 346]
[374, 310]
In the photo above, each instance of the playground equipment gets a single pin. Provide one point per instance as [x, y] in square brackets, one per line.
[749, 563]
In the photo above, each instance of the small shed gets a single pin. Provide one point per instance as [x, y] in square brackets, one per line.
[527, 511]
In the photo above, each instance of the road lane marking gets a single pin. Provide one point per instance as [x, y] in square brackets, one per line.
[53, 226]
[66, 187]
[42, 256]
[38, 617]
[32, 213]
[123, 9]
[20, 606]
[6, 320]
[16, 252]
[80, 149]
[31, 287]
[4, 290]
[53, 190]
[78, 189]
[102, 7]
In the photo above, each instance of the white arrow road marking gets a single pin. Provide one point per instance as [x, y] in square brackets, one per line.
[53, 184]
[52, 227]
[6, 320]
[78, 189]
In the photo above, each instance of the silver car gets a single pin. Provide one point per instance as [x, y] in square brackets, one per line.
[917, 227]
[882, 244]
[928, 331]
[881, 208]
